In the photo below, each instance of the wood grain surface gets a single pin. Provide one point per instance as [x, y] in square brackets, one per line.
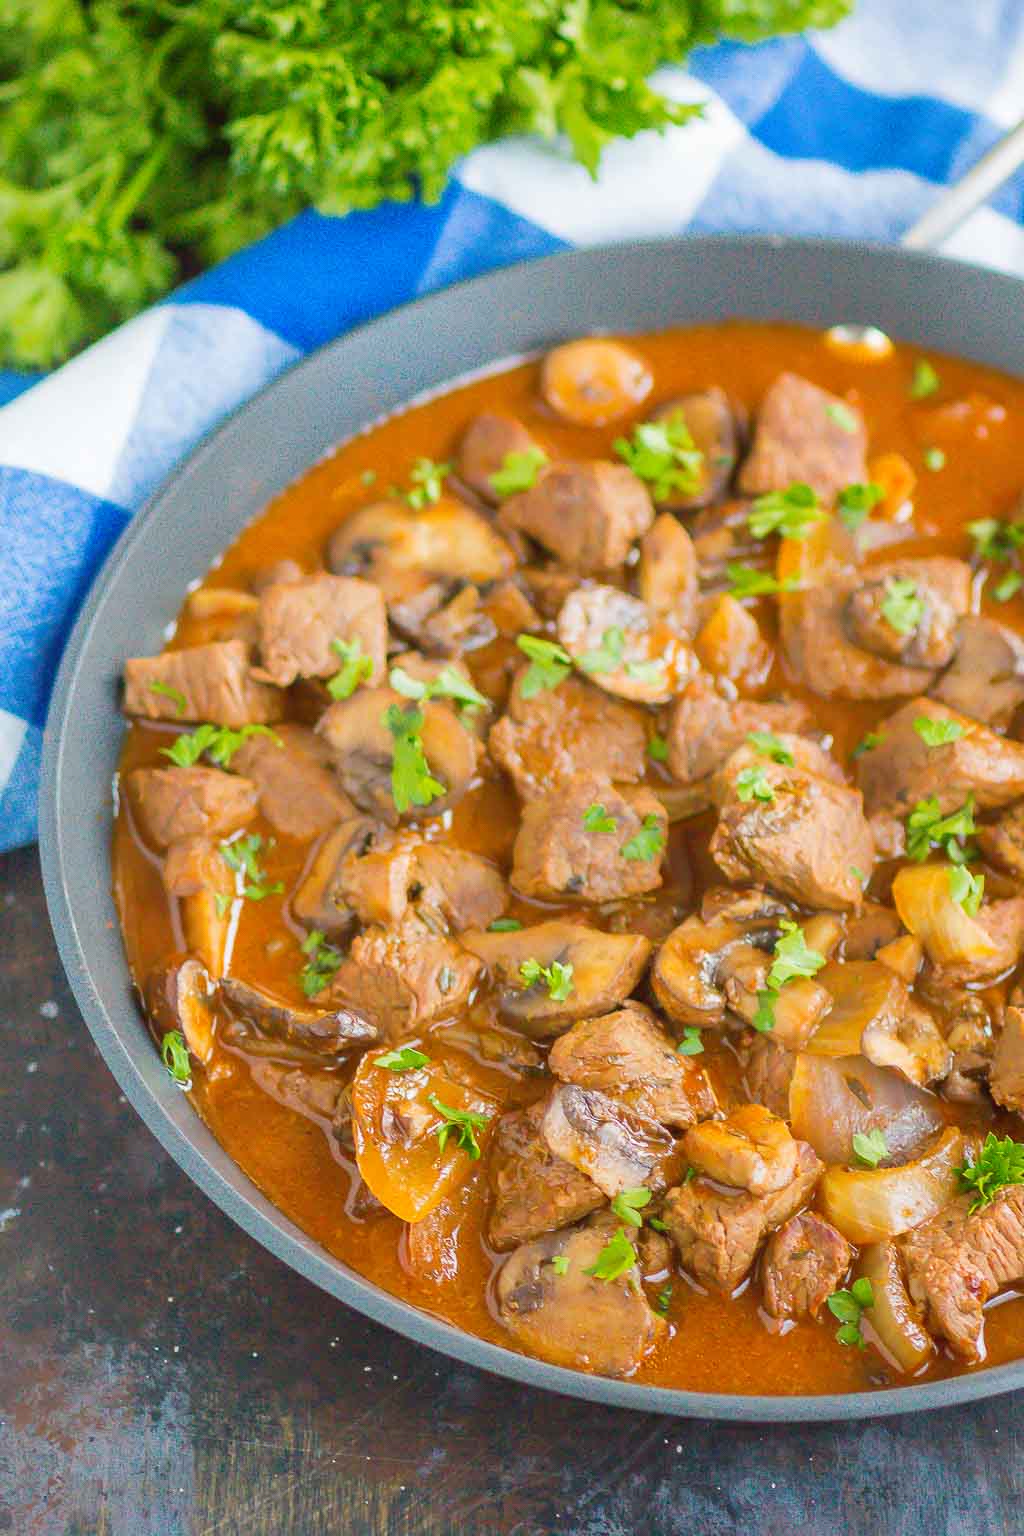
[160, 1375]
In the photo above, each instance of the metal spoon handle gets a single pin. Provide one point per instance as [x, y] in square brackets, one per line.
[995, 166]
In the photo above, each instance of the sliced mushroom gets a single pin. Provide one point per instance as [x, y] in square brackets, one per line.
[616, 1147]
[319, 901]
[624, 647]
[594, 381]
[196, 873]
[484, 447]
[711, 422]
[915, 1046]
[688, 970]
[180, 996]
[448, 541]
[326, 1031]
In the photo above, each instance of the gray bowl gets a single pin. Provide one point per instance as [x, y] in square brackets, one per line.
[229, 478]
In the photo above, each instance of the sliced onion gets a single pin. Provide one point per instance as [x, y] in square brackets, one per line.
[924, 901]
[871, 1204]
[865, 994]
[832, 1098]
[892, 1318]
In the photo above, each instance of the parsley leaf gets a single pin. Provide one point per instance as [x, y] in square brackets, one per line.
[219, 743]
[1008, 587]
[174, 1053]
[657, 749]
[902, 608]
[242, 856]
[175, 695]
[867, 743]
[628, 1205]
[356, 668]
[608, 657]
[966, 889]
[934, 459]
[936, 731]
[848, 1307]
[995, 540]
[428, 483]
[665, 455]
[411, 780]
[998, 1165]
[663, 1300]
[405, 1059]
[764, 1014]
[463, 1124]
[448, 684]
[691, 1044]
[927, 828]
[596, 819]
[648, 843]
[844, 416]
[324, 960]
[550, 664]
[519, 471]
[557, 977]
[504, 925]
[869, 1147]
[925, 381]
[791, 513]
[856, 501]
[560, 1264]
[617, 1258]
[770, 745]
[792, 956]
[745, 581]
[752, 784]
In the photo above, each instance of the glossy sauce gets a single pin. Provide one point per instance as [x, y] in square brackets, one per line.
[715, 1344]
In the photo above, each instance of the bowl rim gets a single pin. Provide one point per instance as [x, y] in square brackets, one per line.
[159, 1104]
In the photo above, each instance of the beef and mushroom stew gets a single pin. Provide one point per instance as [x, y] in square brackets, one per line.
[571, 850]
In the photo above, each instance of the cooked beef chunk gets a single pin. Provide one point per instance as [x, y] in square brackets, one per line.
[198, 876]
[306, 1090]
[651, 663]
[543, 740]
[465, 888]
[803, 1263]
[534, 1191]
[957, 1261]
[325, 1031]
[301, 621]
[179, 996]
[986, 677]
[1002, 841]
[617, 1147]
[298, 793]
[751, 1149]
[807, 758]
[705, 727]
[379, 879]
[484, 447]
[903, 769]
[568, 1316]
[202, 682]
[404, 978]
[668, 573]
[587, 514]
[803, 434]
[711, 422]
[806, 841]
[559, 855]
[627, 1056]
[174, 803]
[718, 1232]
[601, 970]
[1006, 1078]
[768, 1072]
[925, 641]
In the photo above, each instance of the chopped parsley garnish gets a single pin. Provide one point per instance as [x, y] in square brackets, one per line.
[966, 889]
[321, 965]
[663, 1300]
[411, 780]
[174, 1053]
[550, 664]
[519, 471]
[998, 1165]
[1008, 587]
[428, 483]
[934, 459]
[848, 1307]
[504, 925]
[448, 684]
[617, 1258]
[463, 1124]
[746, 582]
[791, 513]
[243, 857]
[691, 1044]
[556, 977]
[869, 1147]
[844, 417]
[596, 819]
[608, 656]
[902, 607]
[219, 743]
[770, 745]
[175, 695]
[995, 540]
[752, 784]
[648, 843]
[356, 667]
[657, 749]
[657, 1224]
[927, 828]
[653, 672]
[628, 1205]
[925, 381]
[867, 743]
[937, 732]
[406, 1059]
[792, 958]
[664, 454]
[854, 502]
[560, 1264]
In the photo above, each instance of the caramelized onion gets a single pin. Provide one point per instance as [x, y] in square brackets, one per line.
[871, 1204]
[924, 901]
[891, 1318]
[832, 1098]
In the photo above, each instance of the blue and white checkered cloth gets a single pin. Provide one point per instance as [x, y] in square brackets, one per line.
[846, 133]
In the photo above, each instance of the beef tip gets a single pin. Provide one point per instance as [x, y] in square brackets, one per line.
[380, 879]
[705, 727]
[652, 663]
[465, 888]
[543, 740]
[628, 1056]
[534, 1191]
[929, 642]
[1006, 1078]
[718, 1232]
[404, 978]
[484, 447]
[807, 758]
[806, 841]
[986, 677]
[567, 1316]
[305, 1090]
[803, 1263]
[752, 1149]
[1002, 841]
[799, 438]
[326, 1031]
[768, 1072]
[667, 577]
[616, 1147]
[902, 769]
[587, 514]
[170, 804]
[211, 683]
[301, 622]
[711, 422]
[957, 1261]
[298, 793]
[559, 855]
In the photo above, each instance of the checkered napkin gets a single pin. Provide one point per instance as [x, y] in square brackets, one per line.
[846, 133]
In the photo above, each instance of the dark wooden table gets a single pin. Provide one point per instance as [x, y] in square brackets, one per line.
[160, 1375]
